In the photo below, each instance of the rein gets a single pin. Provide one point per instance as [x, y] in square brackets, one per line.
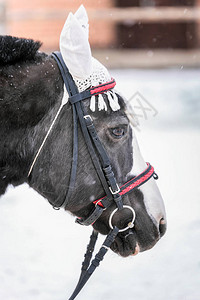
[102, 165]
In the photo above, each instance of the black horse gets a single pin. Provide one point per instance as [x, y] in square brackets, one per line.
[31, 91]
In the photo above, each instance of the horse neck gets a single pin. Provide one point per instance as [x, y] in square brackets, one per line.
[25, 117]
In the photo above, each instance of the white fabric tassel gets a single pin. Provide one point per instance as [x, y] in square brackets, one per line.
[113, 101]
[116, 100]
[92, 103]
[101, 103]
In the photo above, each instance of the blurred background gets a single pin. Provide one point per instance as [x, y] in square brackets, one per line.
[152, 49]
[168, 29]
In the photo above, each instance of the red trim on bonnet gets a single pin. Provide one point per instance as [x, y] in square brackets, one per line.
[103, 87]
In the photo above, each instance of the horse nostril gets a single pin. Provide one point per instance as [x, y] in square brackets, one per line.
[162, 227]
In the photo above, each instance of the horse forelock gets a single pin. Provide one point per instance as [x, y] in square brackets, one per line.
[15, 49]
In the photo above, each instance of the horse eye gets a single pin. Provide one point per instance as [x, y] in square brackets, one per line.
[118, 132]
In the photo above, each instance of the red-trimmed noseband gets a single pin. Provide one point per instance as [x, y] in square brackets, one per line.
[132, 184]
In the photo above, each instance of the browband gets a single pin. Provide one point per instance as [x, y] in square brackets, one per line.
[99, 89]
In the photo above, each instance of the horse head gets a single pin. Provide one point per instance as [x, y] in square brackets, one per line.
[46, 120]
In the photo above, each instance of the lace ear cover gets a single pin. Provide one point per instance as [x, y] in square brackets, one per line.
[99, 75]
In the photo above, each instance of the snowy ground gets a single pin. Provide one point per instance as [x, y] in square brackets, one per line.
[41, 249]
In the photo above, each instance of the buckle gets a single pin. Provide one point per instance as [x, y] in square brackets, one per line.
[115, 192]
[104, 208]
[88, 117]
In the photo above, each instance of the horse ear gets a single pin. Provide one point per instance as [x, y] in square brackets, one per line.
[74, 44]
[82, 17]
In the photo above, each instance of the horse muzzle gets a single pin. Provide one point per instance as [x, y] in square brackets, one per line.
[137, 239]
[136, 233]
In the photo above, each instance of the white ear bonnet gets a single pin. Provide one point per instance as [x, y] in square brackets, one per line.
[76, 52]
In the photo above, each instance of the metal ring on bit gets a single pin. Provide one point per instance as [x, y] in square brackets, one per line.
[130, 224]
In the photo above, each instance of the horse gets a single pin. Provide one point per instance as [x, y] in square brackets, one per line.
[36, 136]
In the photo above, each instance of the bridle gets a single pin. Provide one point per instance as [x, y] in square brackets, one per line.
[102, 165]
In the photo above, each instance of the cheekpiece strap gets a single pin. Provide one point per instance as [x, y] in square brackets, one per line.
[96, 150]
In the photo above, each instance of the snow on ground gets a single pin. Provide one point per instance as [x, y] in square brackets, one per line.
[41, 249]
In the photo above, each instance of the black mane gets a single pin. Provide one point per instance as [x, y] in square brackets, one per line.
[13, 49]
